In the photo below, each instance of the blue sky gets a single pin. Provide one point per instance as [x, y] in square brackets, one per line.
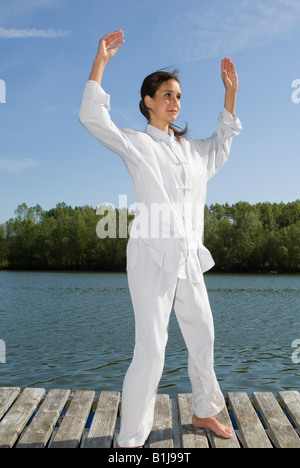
[47, 48]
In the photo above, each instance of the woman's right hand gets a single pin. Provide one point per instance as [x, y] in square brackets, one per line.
[109, 45]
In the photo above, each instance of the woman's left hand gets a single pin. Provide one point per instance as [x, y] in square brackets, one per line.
[229, 75]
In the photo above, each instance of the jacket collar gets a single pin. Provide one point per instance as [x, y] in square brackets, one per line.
[160, 135]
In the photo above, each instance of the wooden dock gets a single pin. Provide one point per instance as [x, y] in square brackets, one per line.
[33, 418]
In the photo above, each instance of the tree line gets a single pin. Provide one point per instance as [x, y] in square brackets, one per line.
[241, 237]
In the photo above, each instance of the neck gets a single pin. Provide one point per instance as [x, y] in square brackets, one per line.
[160, 125]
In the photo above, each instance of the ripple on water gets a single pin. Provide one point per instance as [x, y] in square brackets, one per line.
[76, 330]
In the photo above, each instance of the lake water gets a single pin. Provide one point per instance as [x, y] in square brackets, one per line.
[76, 330]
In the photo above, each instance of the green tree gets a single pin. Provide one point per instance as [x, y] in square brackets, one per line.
[241, 237]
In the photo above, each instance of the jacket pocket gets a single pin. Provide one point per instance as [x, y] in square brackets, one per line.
[156, 255]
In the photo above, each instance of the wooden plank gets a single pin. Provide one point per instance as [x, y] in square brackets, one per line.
[251, 431]
[175, 422]
[7, 397]
[161, 435]
[191, 436]
[291, 402]
[40, 429]
[220, 442]
[16, 410]
[101, 432]
[279, 428]
[70, 432]
[16, 419]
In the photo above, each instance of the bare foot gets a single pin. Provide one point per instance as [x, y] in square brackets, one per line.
[214, 425]
[138, 446]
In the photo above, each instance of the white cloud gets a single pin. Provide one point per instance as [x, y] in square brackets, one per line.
[227, 26]
[13, 9]
[14, 166]
[51, 33]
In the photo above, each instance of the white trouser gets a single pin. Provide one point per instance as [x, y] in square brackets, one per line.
[153, 293]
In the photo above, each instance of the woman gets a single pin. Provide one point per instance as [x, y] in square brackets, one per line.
[165, 255]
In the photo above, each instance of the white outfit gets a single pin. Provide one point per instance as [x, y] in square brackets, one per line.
[165, 255]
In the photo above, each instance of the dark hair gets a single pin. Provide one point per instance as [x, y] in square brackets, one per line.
[149, 87]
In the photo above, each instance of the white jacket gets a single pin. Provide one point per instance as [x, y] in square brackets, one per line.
[170, 182]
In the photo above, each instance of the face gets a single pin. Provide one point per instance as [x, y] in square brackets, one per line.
[164, 106]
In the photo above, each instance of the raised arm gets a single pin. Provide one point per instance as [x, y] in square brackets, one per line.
[108, 47]
[216, 148]
[230, 80]
[94, 111]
